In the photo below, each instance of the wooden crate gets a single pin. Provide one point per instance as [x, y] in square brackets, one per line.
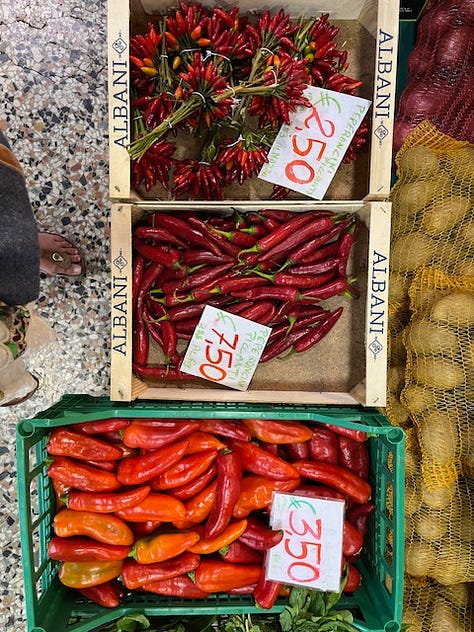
[369, 31]
[346, 367]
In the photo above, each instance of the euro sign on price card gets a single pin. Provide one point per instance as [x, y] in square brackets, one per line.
[225, 348]
[310, 552]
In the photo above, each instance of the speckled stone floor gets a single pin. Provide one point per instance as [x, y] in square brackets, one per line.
[54, 112]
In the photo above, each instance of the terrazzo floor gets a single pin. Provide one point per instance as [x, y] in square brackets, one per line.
[54, 112]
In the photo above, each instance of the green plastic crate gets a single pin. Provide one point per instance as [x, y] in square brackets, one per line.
[50, 607]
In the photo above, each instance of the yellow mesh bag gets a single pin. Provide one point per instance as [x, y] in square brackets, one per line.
[439, 373]
[430, 607]
[430, 390]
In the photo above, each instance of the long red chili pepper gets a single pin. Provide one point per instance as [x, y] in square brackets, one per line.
[65, 442]
[323, 445]
[135, 470]
[259, 461]
[197, 484]
[354, 455]
[106, 503]
[338, 477]
[316, 227]
[101, 426]
[169, 258]
[259, 536]
[85, 549]
[229, 479]
[81, 476]
[277, 236]
[135, 575]
[231, 429]
[140, 434]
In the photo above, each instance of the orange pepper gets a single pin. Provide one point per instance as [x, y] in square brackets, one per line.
[256, 493]
[106, 528]
[232, 532]
[213, 576]
[163, 546]
[199, 441]
[154, 507]
[88, 574]
[198, 507]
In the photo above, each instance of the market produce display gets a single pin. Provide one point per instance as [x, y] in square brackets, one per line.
[439, 72]
[220, 85]
[431, 372]
[272, 266]
[183, 509]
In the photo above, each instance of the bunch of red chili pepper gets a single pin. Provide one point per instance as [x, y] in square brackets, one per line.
[179, 507]
[227, 82]
[274, 266]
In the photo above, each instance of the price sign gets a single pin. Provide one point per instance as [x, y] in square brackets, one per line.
[225, 348]
[310, 553]
[307, 153]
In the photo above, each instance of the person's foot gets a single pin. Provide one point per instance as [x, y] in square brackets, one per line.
[59, 256]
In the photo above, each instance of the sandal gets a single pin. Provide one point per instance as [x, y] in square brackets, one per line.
[60, 257]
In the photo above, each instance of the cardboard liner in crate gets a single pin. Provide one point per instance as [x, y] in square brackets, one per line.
[347, 366]
[369, 33]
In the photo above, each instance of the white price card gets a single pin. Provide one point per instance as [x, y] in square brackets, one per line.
[310, 552]
[307, 153]
[225, 348]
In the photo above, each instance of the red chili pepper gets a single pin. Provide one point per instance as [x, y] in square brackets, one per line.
[135, 470]
[213, 576]
[81, 476]
[258, 461]
[323, 445]
[297, 451]
[317, 226]
[169, 257]
[101, 426]
[354, 455]
[358, 515]
[316, 269]
[357, 435]
[187, 491]
[134, 575]
[352, 540]
[110, 466]
[160, 507]
[159, 372]
[64, 442]
[104, 528]
[186, 231]
[266, 591]
[272, 431]
[142, 434]
[354, 580]
[159, 234]
[231, 429]
[185, 470]
[239, 553]
[306, 252]
[229, 479]
[333, 288]
[338, 477]
[259, 536]
[319, 491]
[256, 493]
[289, 227]
[198, 279]
[107, 595]
[86, 549]
[142, 529]
[181, 586]
[314, 335]
[106, 503]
